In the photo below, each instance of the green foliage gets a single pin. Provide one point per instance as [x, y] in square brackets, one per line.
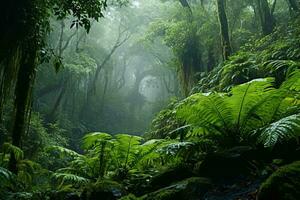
[13, 150]
[93, 139]
[283, 129]
[164, 123]
[248, 108]
[82, 12]
[65, 178]
[275, 55]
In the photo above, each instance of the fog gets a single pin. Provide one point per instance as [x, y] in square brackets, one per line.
[113, 79]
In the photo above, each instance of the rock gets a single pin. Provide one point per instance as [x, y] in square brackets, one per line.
[103, 190]
[283, 184]
[224, 165]
[170, 176]
[190, 189]
[67, 194]
[129, 197]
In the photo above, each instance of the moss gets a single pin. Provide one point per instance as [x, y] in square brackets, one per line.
[104, 189]
[170, 176]
[130, 197]
[189, 189]
[283, 184]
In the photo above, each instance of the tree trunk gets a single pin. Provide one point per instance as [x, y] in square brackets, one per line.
[23, 92]
[225, 41]
[266, 18]
[185, 4]
[294, 5]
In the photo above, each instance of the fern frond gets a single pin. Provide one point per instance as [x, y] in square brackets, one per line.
[283, 129]
[63, 151]
[209, 111]
[293, 81]
[69, 178]
[92, 139]
[126, 148]
[16, 151]
[247, 96]
[5, 174]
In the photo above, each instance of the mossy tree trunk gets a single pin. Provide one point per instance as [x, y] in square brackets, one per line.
[191, 60]
[225, 40]
[23, 91]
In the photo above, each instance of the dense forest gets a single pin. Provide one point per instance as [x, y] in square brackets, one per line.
[150, 100]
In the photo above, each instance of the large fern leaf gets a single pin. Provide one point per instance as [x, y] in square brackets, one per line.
[208, 111]
[64, 151]
[92, 139]
[283, 129]
[126, 149]
[16, 151]
[69, 178]
[245, 97]
[293, 82]
[5, 174]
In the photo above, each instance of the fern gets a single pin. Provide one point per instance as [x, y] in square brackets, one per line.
[283, 129]
[247, 96]
[11, 149]
[5, 175]
[63, 151]
[293, 82]
[231, 119]
[69, 178]
[93, 139]
[126, 149]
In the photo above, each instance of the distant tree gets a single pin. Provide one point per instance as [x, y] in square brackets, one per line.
[267, 19]
[225, 40]
[294, 5]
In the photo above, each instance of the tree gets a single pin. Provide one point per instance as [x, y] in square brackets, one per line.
[29, 21]
[267, 20]
[294, 5]
[225, 41]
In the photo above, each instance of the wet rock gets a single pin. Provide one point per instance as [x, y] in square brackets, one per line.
[170, 176]
[283, 184]
[190, 189]
[103, 190]
[226, 164]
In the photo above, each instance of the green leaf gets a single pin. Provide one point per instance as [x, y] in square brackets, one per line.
[283, 129]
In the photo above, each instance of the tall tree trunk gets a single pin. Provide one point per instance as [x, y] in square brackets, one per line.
[191, 61]
[294, 5]
[225, 41]
[23, 92]
[266, 18]
[185, 4]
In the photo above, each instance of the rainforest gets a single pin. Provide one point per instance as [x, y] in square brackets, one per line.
[150, 100]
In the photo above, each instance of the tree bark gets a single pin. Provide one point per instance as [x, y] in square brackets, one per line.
[23, 93]
[225, 41]
[294, 5]
[266, 18]
[185, 4]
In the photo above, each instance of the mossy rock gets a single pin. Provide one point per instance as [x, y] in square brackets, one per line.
[283, 184]
[103, 190]
[170, 176]
[65, 196]
[190, 189]
[224, 165]
[130, 197]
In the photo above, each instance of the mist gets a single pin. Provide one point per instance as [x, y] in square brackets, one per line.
[149, 99]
